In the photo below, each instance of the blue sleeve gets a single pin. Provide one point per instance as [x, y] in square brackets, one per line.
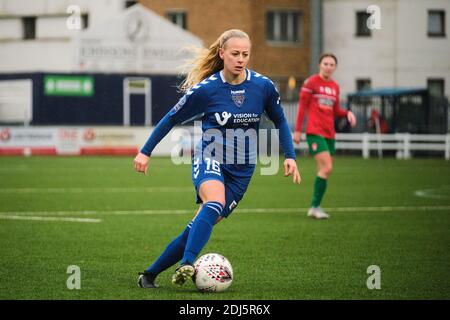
[275, 112]
[191, 104]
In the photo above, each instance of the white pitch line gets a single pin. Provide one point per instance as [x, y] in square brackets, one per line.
[243, 210]
[101, 212]
[349, 209]
[433, 193]
[35, 218]
[57, 169]
[95, 190]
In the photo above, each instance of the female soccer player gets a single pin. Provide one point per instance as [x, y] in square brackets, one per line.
[227, 96]
[319, 98]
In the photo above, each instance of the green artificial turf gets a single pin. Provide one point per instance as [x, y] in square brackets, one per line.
[394, 214]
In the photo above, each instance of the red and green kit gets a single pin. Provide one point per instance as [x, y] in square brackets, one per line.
[319, 101]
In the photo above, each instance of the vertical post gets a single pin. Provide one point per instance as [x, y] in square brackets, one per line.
[316, 19]
[395, 113]
[406, 146]
[365, 145]
[426, 103]
[447, 146]
[28, 112]
[148, 99]
[126, 102]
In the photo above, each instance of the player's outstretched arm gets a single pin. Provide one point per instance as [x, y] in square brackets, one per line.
[290, 168]
[187, 107]
[141, 163]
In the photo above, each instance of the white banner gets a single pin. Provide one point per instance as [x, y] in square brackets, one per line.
[27, 137]
[83, 140]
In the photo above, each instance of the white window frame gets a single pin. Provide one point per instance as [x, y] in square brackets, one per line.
[290, 27]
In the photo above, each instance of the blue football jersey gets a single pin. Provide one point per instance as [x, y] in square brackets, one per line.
[230, 116]
[228, 108]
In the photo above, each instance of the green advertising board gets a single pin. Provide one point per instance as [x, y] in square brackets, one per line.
[55, 85]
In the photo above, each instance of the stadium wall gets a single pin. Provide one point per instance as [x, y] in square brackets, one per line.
[102, 105]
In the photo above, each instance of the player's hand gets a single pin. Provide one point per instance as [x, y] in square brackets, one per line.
[297, 136]
[290, 168]
[351, 118]
[141, 163]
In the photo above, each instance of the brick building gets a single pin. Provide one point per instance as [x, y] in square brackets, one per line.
[279, 29]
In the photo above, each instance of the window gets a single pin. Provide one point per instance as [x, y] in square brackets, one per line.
[436, 87]
[436, 23]
[363, 84]
[178, 18]
[29, 27]
[284, 26]
[130, 3]
[84, 21]
[362, 30]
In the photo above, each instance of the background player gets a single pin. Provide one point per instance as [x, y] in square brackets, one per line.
[222, 91]
[319, 99]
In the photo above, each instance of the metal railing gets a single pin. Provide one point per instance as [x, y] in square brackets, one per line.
[403, 144]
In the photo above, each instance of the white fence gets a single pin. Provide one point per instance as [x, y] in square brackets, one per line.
[290, 112]
[404, 144]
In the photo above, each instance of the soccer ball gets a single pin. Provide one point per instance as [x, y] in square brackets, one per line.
[213, 273]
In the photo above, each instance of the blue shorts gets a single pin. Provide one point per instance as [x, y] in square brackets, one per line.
[235, 177]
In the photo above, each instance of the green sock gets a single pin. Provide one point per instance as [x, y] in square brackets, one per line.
[320, 185]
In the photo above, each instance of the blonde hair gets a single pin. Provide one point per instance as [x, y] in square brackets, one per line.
[207, 61]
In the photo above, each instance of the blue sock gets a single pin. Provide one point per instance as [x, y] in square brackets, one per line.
[173, 253]
[201, 230]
